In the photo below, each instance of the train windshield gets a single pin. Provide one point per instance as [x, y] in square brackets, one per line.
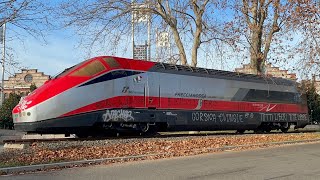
[112, 63]
[90, 69]
[66, 71]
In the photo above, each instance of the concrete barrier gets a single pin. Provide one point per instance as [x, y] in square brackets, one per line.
[7, 132]
[312, 127]
[2, 138]
[193, 132]
[13, 146]
[46, 136]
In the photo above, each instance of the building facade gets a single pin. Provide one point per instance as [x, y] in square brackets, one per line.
[270, 71]
[317, 85]
[315, 82]
[276, 72]
[20, 82]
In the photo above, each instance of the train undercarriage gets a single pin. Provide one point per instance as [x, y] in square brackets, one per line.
[151, 121]
[149, 129]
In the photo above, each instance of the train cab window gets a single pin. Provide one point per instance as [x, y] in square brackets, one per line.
[90, 69]
[111, 62]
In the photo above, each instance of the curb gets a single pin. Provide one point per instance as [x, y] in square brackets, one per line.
[41, 167]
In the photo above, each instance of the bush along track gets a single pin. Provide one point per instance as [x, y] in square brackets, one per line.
[42, 156]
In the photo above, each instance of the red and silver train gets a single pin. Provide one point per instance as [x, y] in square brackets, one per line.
[108, 93]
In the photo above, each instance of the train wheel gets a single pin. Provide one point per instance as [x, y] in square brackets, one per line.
[240, 131]
[148, 130]
[258, 131]
[82, 135]
[284, 130]
[151, 132]
[144, 127]
[267, 130]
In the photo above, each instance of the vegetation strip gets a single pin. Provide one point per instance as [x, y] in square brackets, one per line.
[162, 135]
[41, 167]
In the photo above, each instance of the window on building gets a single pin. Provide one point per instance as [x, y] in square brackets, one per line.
[90, 69]
[28, 78]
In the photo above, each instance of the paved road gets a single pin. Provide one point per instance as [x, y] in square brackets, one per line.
[290, 162]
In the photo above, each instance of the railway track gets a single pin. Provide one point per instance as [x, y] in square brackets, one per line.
[160, 135]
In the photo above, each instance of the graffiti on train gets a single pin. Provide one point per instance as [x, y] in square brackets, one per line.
[220, 117]
[117, 115]
[282, 117]
[239, 118]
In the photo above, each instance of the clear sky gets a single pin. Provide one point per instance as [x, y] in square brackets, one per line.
[57, 53]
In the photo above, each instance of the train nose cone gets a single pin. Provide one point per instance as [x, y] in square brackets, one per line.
[21, 113]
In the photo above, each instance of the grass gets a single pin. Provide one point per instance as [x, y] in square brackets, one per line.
[12, 164]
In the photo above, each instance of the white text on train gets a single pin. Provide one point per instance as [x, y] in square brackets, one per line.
[222, 117]
[284, 117]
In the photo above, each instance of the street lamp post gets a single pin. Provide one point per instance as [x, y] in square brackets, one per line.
[3, 60]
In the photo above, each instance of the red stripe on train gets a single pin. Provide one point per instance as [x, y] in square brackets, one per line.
[188, 104]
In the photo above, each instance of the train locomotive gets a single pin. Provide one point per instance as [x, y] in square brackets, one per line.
[107, 94]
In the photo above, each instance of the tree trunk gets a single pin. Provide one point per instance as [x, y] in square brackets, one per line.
[198, 11]
[256, 58]
[165, 12]
[196, 43]
[177, 39]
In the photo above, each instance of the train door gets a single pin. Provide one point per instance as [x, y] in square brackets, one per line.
[138, 89]
[121, 89]
[152, 91]
[126, 97]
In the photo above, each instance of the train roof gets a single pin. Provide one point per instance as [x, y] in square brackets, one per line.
[203, 72]
[141, 65]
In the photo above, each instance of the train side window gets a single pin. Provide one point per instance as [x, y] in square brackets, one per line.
[111, 62]
[90, 69]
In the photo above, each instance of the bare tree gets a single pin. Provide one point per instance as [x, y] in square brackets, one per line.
[262, 19]
[25, 16]
[198, 10]
[271, 27]
[305, 18]
[191, 22]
